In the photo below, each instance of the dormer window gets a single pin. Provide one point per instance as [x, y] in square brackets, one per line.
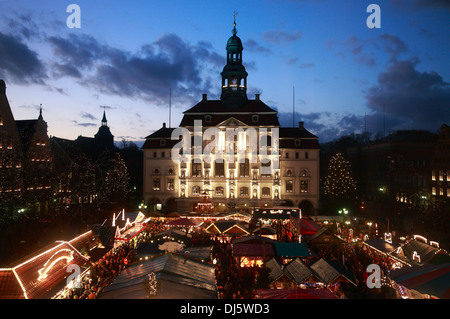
[297, 142]
[208, 118]
[255, 118]
[162, 142]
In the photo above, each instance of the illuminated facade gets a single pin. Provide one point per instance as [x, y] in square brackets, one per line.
[25, 160]
[264, 164]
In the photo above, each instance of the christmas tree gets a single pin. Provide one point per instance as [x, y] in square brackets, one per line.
[339, 182]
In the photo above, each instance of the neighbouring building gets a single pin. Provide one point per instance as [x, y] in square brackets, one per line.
[26, 161]
[241, 181]
[440, 167]
[398, 165]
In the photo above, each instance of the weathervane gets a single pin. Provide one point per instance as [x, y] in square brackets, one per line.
[234, 23]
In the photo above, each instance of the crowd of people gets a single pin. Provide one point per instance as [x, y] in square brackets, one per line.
[235, 281]
[355, 258]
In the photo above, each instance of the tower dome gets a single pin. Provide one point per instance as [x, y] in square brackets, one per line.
[234, 75]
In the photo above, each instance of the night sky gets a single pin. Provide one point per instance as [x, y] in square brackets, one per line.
[128, 55]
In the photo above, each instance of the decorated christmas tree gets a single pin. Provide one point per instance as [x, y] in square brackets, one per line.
[339, 185]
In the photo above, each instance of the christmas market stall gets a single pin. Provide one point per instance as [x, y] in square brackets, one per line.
[35, 276]
[418, 251]
[288, 251]
[294, 274]
[228, 228]
[169, 276]
[430, 281]
[253, 250]
[332, 274]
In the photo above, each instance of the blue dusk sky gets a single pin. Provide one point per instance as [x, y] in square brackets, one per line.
[317, 56]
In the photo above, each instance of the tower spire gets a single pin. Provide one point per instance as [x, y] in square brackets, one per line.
[234, 31]
[104, 121]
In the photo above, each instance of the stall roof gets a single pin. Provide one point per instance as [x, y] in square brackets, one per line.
[253, 239]
[328, 271]
[275, 269]
[299, 271]
[427, 279]
[381, 245]
[185, 277]
[253, 250]
[425, 251]
[292, 250]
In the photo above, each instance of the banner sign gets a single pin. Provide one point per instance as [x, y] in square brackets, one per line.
[276, 213]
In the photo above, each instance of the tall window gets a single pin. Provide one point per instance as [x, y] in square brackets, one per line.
[170, 184]
[265, 192]
[289, 186]
[196, 169]
[244, 168]
[156, 184]
[219, 169]
[266, 169]
[304, 186]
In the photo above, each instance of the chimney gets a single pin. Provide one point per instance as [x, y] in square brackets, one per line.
[2, 87]
[300, 125]
[257, 96]
[164, 125]
[204, 97]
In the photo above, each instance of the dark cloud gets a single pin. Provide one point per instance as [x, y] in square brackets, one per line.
[88, 116]
[18, 63]
[254, 46]
[84, 124]
[278, 37]
[409, 99]
[169, 62]
[365, 51]
[420, 4]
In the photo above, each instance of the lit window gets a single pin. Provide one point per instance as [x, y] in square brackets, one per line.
[433, 190]
[195, 190]
[265, 192]
[244, 191]
[219, 191]
[303, 186]
[156, 184]
[170, 184]
[289, 186]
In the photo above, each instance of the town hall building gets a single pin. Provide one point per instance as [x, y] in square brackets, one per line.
[277, 167]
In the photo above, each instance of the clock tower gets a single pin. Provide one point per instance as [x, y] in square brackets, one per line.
[234, 76]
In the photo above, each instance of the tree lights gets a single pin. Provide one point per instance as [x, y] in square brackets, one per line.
[339, 181]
